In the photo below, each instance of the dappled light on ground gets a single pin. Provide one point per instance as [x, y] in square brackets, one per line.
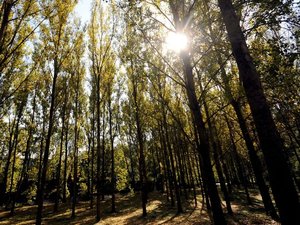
[129, 212]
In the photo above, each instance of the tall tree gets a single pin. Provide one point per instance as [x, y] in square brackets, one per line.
[58, 52]
[101, 36]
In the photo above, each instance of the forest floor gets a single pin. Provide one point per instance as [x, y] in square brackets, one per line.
[129, 212]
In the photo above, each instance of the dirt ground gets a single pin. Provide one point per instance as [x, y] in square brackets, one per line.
[129, 212]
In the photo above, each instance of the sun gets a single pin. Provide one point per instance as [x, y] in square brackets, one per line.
[176, 41]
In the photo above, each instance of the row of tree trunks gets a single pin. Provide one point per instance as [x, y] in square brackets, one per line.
[285, 196]
[12, 147]
[75, 156]
[98, 175]
[140, 139]
[203, 148]
[58, 170]
[111, 137]
[216, 155]
[24, 171]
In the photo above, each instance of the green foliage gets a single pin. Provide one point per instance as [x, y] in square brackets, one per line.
[123, 91]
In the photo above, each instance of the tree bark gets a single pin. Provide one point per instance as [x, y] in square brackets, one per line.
[92, 159]
[142, 166]
[113, 180]
[76, 135]
[66, 161]
[98, 150]
[40, 192]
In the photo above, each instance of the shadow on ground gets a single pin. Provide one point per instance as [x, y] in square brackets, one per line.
[129, 212]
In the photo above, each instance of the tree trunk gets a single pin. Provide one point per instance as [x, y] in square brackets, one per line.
[40, 192]
[76, 135]
[66, 161]
[113, 180]
[142, 166]
[92, 159]
[102, 180]
[88, 183]
[130, 145]
[41, 153]
[98, 151]
[7, 9]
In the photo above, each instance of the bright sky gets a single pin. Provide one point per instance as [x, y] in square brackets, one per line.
[83, 10]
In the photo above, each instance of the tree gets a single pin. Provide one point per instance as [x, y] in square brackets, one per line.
[58, 53]
[101, 38]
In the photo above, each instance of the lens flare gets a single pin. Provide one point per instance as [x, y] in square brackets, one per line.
[176, 41]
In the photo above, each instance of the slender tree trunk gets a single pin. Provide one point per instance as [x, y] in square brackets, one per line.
[183, 174]
[40, 192]
[41, 153]
[75, 171]
[113, 180]
[142, 166]
[285, 196]
[88, 183]
[132, 173]
[76, 135]
[92, 159]
[102, 181]
[66, 161]
[98, 152]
